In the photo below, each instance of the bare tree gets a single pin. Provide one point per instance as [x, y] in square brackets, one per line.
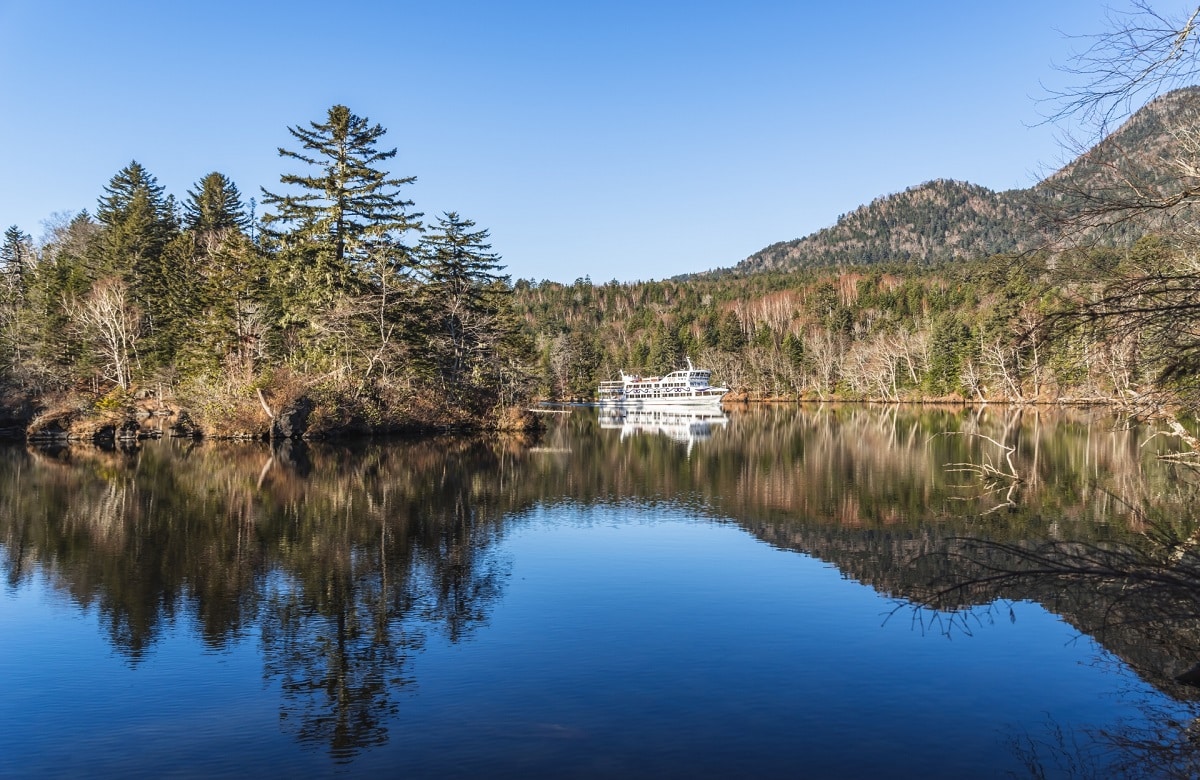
[1142, 54]
[1152, 297]
[108, 317]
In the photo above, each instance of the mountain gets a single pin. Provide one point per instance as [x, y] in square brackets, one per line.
[945, 220]
[930, 223]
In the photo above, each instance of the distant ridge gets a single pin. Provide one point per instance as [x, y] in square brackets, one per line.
[945, 220]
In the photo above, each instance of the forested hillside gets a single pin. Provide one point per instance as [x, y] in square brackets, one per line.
[978, 330]
[924, 225]
[945, 220]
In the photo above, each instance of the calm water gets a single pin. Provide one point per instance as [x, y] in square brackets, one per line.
[623, 597]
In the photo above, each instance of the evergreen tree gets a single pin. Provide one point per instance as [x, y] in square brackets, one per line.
[949, 338]
[793, 350]
[138, 222]
[16, 262]
[666, 353]
[215, 206]
[585, 360]
[465, 293]
[16, 257]
[730, 337]
[346, 207]
[64, 272]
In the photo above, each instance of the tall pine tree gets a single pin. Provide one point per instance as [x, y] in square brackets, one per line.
[16, 264]
[138, 222]
[465, 293]
[215, 206]
[346, 206]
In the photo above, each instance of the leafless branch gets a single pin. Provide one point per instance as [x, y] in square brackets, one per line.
[1142, 54]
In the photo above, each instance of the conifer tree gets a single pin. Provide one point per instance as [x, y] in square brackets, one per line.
[464, 291]
[347, 205]
[138, 223]
[215, 206]
[16, 256]
[63, 271]
[16, 262]
[730, 336]
[666, 352]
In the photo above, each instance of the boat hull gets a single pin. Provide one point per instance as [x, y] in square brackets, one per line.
[692, 402]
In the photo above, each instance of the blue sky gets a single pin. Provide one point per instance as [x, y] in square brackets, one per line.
[618, 140]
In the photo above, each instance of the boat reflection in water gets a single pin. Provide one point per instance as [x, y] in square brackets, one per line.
[687, 426]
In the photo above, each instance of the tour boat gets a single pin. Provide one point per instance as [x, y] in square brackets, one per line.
[686, 387]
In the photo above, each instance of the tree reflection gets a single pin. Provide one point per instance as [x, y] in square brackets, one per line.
[338, 650]
[1135, 590]
[346, 560]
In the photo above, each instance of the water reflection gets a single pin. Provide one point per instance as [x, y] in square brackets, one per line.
[682, 425]
[346, 561]
[343, 559]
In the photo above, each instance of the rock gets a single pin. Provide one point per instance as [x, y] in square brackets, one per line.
[292, 420]
[1190, 677]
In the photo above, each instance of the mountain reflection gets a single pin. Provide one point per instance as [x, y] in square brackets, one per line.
[345, 560]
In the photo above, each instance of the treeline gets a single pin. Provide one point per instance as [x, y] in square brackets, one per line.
[1008, 328]
[340, 293]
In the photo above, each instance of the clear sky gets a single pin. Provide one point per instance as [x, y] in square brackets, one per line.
[618, 140]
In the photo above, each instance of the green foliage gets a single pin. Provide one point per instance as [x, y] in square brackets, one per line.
[331, 290]
[115, 400]
[949, 340]
[666, 351]
[730, 336]
[215, 206]
[334, 290]
[137, 224]
[464, 295]
[793, 350]
[348, 205]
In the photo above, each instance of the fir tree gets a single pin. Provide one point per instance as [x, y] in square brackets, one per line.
[138, 223]
[215, 206]
[347, 206]
[730, 337]
[793, 350]
[16, 262]
[666, 353]
[63, 272]
[464, 290]
[16, 259]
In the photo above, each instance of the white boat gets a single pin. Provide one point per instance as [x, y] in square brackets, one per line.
[686, 387]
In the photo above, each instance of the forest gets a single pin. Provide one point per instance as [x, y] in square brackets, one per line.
[1006, 328]
[338, 309]
[341, 309]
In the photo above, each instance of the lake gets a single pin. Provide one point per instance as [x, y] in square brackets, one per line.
[750, 593]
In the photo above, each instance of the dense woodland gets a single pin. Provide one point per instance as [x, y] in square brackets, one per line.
[995, 329]
[340, 298]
